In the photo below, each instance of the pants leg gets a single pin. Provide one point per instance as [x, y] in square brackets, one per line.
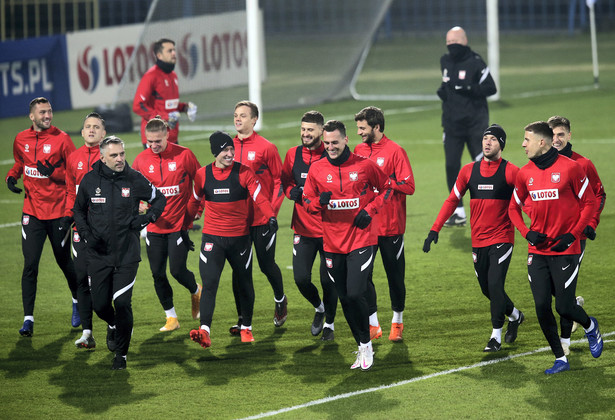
[212, 258]
[371, 294]
[454, 143]
[304, 254]
[84, 297]
[239, 256]
[157, 254]
[60, 244]
[566, 324]
[394, 261]
[264, 245]
[329, 293]
[178, 255]
[565, 270]
[491, 265]
[33, 235]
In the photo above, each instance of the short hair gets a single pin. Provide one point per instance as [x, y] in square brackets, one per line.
[110, 140]
[373, 115]
[313, 117]
[36, 101]
[333, 125]
[559, 121]
[95, 115]
[157, 47]
[156, 125]
[541, 129]
[253, 107]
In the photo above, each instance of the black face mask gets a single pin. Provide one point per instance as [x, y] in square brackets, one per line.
[165, 67]
[457, 51]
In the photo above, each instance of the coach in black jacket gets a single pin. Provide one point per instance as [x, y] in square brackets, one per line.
[107, 217]
[466, 83]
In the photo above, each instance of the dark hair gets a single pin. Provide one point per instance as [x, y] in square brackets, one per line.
[541, 129]
[558, 121]
[156, 124]
[36, 101]
[313, 117]
[333, 125]
[251, 105]
[373, 115]
[95, 115]
[157, 47]
[108, 140]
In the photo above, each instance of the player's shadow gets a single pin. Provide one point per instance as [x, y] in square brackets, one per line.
[24, 358]
[313, 362]
[459, 238]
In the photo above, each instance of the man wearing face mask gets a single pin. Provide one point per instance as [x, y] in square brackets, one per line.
[466, 84]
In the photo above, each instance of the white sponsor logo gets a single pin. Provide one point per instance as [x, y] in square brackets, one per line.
[542, 195]
[343, 204]
[251, 155]
[46, 148]
[32, 172]
[170, 191]
[99, 200]
[362, 251]
[125, 192]
[353, 176]
[564, 268]
[209, 246]
[303, 175]
[172, 166]
[171, 103]
[218, 191]
[485, 187]
[555, 177]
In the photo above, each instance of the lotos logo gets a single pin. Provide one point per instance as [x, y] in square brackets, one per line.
[188, 56]
[541, 195]
[88, 71]
[170, 191]
[343, 204]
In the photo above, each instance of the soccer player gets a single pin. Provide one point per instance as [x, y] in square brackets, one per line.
[562, 205]
[107, 217]
[158, 92]
[491, 182]
[341, 188]
[262, 156]
[561, 141]
[466, 83]
[307, 241]
[170, 168]
[226, 186]
[77, 165]
[40, 154]
[391, 220]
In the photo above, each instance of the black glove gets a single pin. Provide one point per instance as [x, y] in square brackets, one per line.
[563, 242]
[296, 194]
[186, 240]
[11, 182]
[362, 220]
[140, 221]
[431, 237]
[97, 245]
[273, 225]
[535, 238]
[325, 197]
[589, 232]
[45, 169]
[65, 223]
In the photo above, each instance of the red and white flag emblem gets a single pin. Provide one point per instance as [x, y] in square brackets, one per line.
[125, 192]
[555, 177]
[329, 262]
[209, 246]
[353, 176]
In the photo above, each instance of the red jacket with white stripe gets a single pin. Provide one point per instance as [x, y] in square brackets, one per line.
[79, 163]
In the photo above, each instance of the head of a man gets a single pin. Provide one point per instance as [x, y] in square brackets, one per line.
[494, 141]
[311, 129]
[41, 114]
[223, 149]
[245, 117]
[334, 138]
[112, 153]
[456, 35]
[370, 124]
[538, 139]
[157, 134]
[164, 50]
[93, 130]
[561, 131]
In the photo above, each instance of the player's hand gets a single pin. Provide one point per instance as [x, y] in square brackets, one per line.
[11, 183]
[296, 194]
[65, 223]
[186, 240]
[140, 221]
[173, 118]
[273, 225]
[362, 220]
[191, 112]
[325, 198]
[46, 169]
[589, 232]
[431, 237]
[563, 242]
[535, 238]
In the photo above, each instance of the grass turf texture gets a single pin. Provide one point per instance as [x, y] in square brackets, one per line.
[446, 318]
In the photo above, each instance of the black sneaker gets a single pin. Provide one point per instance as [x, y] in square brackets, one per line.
[492, 346]
[235, 330]
[455, 220]
[513, 326]
[119, 363]
[317, 324]
[27, 329]
[327, 334]
[279, 316]
[111, 344]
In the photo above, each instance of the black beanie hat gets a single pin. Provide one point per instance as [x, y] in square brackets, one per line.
[497, 132]
[220, 141]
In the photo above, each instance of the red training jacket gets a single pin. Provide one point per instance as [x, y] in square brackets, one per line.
[78, 164]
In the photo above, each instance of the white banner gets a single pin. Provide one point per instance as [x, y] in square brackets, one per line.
[211, 54]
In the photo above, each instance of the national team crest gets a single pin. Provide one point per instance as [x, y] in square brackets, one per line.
[329, 262]
[353, 176]
[172, 166]
[76, 237]
[208, 246]
[296, 239]
[329, 178]
[47, 148]
[462, 74]
[529, 259]
[380, 161]
[151, 169]
[25, 220]
[555, 177]
[474, 257]
[530, 181]
[251, 155]
[125, 192]
[80, 165]
[26, 148]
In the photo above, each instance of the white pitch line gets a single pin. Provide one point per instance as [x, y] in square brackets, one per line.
[409, 381]
[10, 225]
